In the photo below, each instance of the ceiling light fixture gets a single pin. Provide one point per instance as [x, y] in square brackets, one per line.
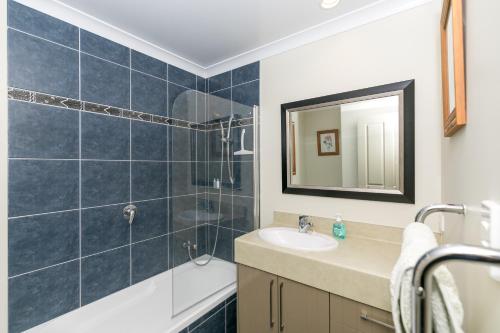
[329, 4]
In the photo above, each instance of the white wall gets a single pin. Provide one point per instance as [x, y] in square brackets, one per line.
[471, 160]
[401, 47]
[3, 166]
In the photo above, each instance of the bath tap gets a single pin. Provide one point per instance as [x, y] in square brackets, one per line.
[304, 224]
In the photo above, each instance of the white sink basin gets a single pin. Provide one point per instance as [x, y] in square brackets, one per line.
[293, 239]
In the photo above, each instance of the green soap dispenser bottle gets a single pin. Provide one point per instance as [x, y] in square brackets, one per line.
[339, 228]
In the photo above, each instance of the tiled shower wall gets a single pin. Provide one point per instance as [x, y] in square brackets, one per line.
[94, 126]
[241, 86]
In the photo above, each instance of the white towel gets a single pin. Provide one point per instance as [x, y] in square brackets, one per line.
[447, 310]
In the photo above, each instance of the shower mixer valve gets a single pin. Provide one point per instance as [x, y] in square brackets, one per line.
[188, 245]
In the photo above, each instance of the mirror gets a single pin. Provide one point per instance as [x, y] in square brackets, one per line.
[357, 144]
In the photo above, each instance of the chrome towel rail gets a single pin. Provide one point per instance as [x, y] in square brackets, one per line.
[422, 277]
[446, 208]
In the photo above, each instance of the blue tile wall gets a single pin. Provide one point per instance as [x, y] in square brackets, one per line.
[246, 73]
[231, 93]
[74, 165]
[105, 183]
[105, 273]
[150, 258]
[103, 229]
[105, 82]
[43, 240]
[245, 96]
[148, 65]
[53, 135]
[220, 81]
[36, 23]
[149, 141]
[182, 143]
[181, 77]
[181, 102]
[177, 253]
[183, 212]
[151, 220]
[42, 186]
[36, 64]
[222, 318]
[105, 138]
[219, 105]
[42, 295]
[104, 48]
[149, 180]
[149, 94]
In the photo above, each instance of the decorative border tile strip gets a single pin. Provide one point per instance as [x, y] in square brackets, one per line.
[74, 104]
[57, 101]
[215, 125]
[107, 110]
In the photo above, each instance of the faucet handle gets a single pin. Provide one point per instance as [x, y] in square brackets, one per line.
[304, 218]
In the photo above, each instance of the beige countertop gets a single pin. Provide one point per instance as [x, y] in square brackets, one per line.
[359, 268]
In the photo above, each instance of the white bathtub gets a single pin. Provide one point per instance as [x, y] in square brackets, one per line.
[146, 307]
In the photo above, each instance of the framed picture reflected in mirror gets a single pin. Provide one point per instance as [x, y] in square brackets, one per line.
[328, 142]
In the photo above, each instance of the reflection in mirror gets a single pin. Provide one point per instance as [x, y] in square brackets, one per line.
[348, 145]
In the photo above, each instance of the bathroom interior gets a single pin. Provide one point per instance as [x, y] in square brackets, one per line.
[305, 166]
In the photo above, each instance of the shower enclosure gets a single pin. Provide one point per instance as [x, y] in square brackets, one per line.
[221, 203]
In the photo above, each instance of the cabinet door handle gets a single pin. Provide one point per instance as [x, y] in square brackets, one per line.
[364, 316]
[282, 325]
[271, 319]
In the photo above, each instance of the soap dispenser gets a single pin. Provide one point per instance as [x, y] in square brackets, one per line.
[339, 230]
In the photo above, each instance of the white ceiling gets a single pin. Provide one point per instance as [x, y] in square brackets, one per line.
[208, 33]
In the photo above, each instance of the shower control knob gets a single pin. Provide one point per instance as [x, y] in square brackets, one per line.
[129, 213]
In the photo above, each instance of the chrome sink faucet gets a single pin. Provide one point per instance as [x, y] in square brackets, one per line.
[304, 224]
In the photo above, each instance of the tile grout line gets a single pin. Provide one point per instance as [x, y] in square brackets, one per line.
[233, 86]
[42, 268]
[102, 206]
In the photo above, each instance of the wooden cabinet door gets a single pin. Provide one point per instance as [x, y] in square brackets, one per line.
[257, 301]
[302, 309]
[348, 316]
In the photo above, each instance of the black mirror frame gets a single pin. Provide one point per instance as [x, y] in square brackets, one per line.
[408, 195]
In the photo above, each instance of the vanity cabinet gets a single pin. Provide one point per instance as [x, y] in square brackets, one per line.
[268, 303]
[257, 301]
[348, 316]
[271, 304]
